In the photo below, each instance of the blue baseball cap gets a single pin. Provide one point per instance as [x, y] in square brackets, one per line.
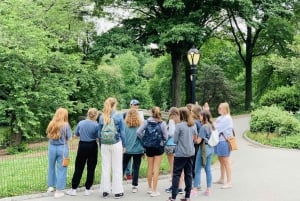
[134, 102]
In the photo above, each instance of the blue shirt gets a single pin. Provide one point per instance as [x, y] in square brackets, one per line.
[65, 135]
[87, 130]
[133, 144]
[120, 125]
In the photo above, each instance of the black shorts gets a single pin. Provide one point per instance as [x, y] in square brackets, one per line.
[150, 152]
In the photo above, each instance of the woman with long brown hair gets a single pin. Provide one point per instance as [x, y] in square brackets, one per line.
[59, 132]
[154, 153]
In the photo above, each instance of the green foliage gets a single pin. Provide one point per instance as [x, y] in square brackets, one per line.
[285, 97]
[274, 120]
[22, 147]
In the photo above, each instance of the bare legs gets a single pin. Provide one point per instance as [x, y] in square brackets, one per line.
[225, 167]
[153, 172]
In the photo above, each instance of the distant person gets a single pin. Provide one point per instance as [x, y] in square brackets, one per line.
[134, 148]
[184, 153]
[203, 136]
[112, 141]
[155, 150]
[59, 133]
[134, 104]
[174, 118]
[224, 124]
[87, 152]
[206, 106]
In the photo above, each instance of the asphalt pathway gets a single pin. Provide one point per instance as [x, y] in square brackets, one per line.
[259, 173]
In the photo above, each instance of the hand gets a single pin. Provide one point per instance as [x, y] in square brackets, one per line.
[124, 150]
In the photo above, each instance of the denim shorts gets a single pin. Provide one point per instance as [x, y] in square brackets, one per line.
[222, 149]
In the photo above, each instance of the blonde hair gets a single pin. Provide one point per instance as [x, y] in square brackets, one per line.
[109, 105]
[156, 113]
[59, 119]
[92, 114]
[174, 114]
[133, 118]
[225, 107]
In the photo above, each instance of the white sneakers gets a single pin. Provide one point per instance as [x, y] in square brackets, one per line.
[72, 192]
[50, 189]
[134, 189]
[88, 192]
[58, 194]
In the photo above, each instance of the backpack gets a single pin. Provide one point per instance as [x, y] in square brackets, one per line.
[152, 135]
[214, 138]
[108, 132]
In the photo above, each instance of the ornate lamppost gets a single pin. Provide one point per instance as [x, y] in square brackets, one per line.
[193, 56]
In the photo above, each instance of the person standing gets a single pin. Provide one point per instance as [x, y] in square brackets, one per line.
[174, 119]
[203, 136]
[112, 151]
[184, 153]
[87, 152]
[134, 148]
[59, 133]
[154, 154]
[224, 124]
[134, 104]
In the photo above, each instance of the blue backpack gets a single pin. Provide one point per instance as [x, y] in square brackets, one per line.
[152, 135]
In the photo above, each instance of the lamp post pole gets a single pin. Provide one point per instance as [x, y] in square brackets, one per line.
[193, 56]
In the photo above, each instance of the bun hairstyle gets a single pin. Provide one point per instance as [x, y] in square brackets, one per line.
[156, 113]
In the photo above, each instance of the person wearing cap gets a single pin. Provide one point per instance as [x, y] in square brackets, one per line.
[134, 104]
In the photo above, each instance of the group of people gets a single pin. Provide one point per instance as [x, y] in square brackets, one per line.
[183, 137]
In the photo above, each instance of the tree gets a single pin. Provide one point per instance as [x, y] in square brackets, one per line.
[262, 27]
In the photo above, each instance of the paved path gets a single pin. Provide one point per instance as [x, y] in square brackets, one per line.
[259, 174]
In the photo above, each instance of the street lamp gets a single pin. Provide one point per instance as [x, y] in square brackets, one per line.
[193, 56]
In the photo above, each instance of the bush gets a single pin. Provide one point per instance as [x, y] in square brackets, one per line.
[274, 120]
[286, 97]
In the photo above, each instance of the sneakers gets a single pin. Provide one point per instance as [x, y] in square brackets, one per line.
[50, 189]
[170, 199]
[134, 189]
[105, 195]
[128, 177]
[180, 191]
[155, 194]
[169, 190]
[119, 195]
[194, 193]
[88, 192]
[72, 192]
[149, 191]
[207, 193]
[58, 194]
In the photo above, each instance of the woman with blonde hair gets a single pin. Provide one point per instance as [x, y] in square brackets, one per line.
[224, 124]
[59, 133]
[87, 152]
[154, 153]
[112, 149]
[134, 148]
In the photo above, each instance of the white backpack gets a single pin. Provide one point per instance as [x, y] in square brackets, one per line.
[214, 138]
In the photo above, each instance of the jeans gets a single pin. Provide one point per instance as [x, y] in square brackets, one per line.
[57, 174]
[135, 166]
[198, 167]
[87, 153]
[128, 168]
[186, 164]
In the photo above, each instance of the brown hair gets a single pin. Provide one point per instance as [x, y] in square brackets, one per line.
[206, 118]
[109, 105]
[59, 119]
[133, 118]
[174, 114]
[196, 109]
[185, 115]
[156, 114]
[92, 114]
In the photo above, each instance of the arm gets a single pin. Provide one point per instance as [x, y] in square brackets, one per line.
[164, 130]
[171, 127]
[122, 131]
[140, 130]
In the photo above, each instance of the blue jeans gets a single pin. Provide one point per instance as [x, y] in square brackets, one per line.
[198, 167]
[57, 174]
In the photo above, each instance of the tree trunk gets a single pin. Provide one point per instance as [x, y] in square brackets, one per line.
[248, 66]
[176, 78]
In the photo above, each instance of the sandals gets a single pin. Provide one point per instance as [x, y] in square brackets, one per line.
[226, 186]
[219, 182]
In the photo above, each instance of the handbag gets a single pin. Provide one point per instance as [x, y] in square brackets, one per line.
[232, 142]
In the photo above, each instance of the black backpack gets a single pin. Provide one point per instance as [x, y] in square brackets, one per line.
[152, 135]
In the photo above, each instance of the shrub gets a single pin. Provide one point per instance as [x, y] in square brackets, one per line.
[286, 97]
[274, 120]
